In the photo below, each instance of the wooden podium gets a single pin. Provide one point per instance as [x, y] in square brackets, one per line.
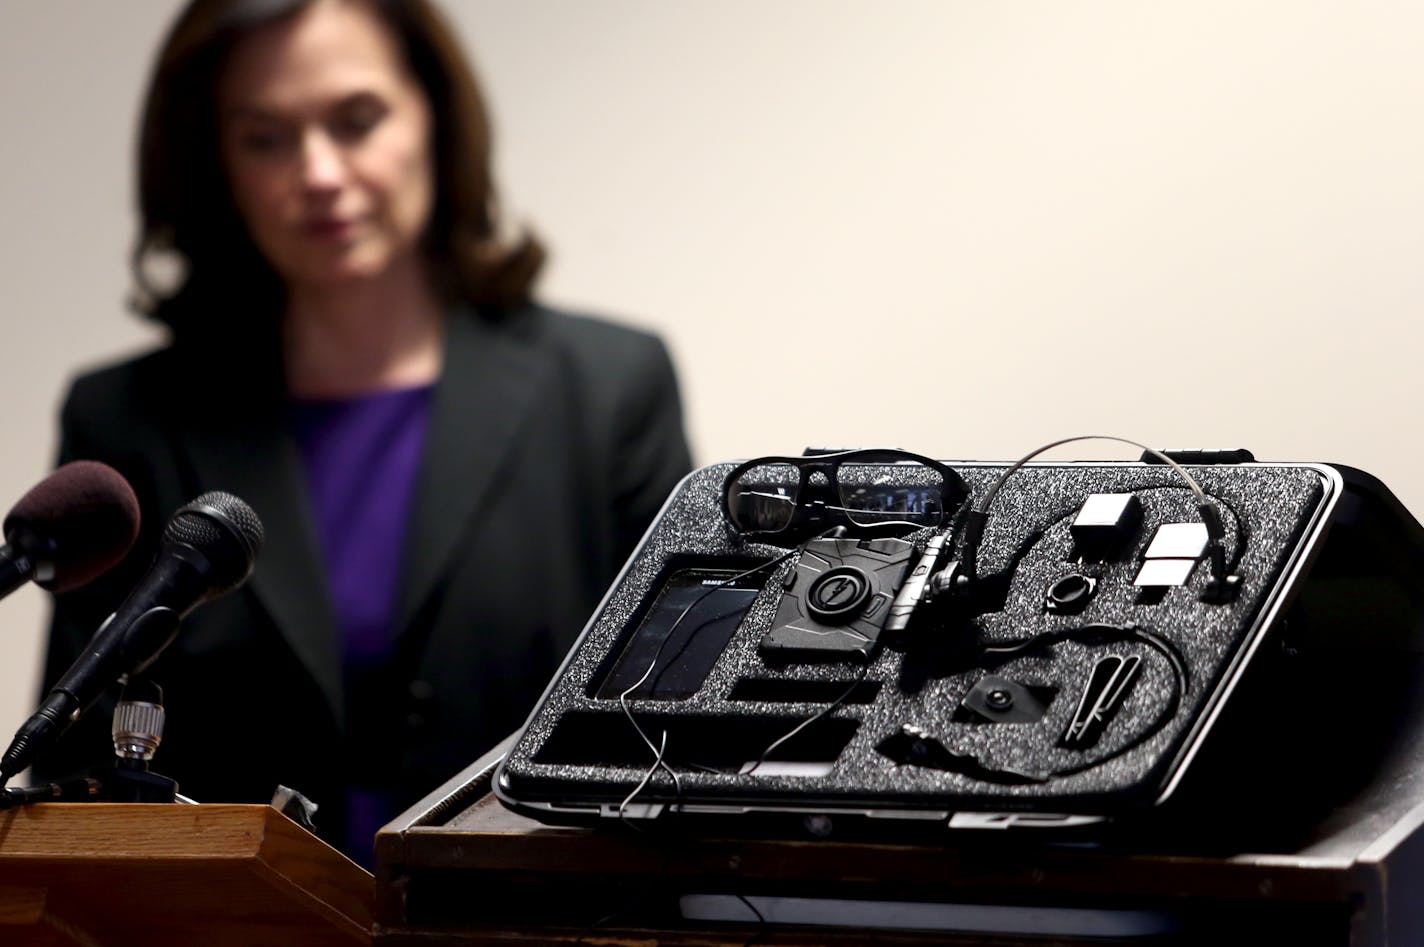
[215, 875]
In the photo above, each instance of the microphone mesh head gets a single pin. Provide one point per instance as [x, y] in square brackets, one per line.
[225, 530]
[79, 521]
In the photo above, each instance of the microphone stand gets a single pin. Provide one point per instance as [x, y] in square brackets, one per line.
[137, 730]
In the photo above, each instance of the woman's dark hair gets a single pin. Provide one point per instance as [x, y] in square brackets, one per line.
[183, 195]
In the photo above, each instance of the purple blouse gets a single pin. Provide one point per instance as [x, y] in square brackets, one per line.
[361, 456]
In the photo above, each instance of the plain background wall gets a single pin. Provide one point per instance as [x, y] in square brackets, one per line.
[960, 228]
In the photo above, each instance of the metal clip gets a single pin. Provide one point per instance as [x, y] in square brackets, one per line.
[1108, 685]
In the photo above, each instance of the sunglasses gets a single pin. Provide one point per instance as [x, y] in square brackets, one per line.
[784, 498]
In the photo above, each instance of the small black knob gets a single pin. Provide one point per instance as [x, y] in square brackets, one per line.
[1071, 594]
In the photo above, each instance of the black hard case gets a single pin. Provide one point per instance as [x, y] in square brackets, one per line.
[1285, 696]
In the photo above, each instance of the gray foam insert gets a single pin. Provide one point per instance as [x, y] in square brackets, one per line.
[1271, 506]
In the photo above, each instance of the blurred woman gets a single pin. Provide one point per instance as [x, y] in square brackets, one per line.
[449, 474]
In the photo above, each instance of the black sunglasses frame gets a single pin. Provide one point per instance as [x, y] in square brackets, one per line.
[817, 504]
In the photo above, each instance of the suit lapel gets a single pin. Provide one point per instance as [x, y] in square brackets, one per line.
[246, 450]
[488, 385]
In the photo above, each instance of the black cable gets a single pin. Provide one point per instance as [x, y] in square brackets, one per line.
[658, 753]
[658, 761]
[661, 749]
[979, 515]
[829, 708]
[75, 789]
[1240, 523]
[1104, 632]
[1026, 545]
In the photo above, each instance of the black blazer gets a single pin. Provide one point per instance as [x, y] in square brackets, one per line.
[553, 441]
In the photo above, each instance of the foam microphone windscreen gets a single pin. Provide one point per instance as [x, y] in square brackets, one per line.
[78, 522]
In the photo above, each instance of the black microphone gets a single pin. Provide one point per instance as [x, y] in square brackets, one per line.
[70, 528]
[207, 550]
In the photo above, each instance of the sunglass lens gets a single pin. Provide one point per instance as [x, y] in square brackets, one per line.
[903, 493]
[763, 498]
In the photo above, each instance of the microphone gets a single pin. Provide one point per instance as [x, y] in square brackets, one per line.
[208, 549]
[72, 527]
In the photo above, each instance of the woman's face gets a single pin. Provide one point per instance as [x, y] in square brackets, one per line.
[325, 138]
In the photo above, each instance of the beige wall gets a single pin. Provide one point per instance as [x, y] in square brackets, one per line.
[961, 228]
